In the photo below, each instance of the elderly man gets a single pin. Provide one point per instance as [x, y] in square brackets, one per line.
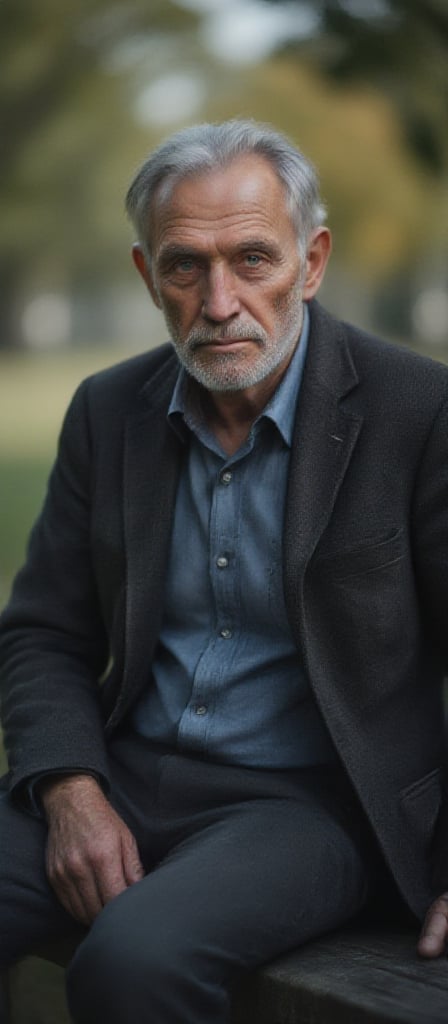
[222, 662]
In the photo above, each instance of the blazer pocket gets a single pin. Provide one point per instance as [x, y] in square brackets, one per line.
[421, 803]
[365, 558]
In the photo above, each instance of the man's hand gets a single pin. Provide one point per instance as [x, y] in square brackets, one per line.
[434, 934]
[91, 854]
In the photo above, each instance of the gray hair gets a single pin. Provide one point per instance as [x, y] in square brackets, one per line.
[206, 147]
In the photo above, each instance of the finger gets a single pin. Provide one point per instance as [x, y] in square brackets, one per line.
[435, 931]
[74, 901]
[433, 938]
[86, 899]
[76, 889]
[132, 866]
[110, 877]
[83, 913]
[121, 871]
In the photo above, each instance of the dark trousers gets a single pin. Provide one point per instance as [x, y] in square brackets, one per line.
[241, 864]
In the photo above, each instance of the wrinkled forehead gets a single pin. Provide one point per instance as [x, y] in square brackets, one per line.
[246, 189]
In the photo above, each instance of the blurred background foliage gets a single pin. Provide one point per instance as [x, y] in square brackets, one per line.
[88, 87]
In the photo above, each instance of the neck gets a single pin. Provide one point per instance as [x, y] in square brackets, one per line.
[230, 418]
[231, 414]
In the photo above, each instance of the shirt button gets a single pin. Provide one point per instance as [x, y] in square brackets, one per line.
[222, 562]
[226, 633]
[226, 477]
[201, 709]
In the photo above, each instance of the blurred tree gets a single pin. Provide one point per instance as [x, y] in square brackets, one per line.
[62, 118]
[379, 204]
[398, 46]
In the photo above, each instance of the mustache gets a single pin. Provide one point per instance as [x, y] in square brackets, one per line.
[241, 332]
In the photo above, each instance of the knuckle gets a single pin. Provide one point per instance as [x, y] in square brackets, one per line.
[100, 858]
[440, 906]
[56, 870]
[75, 865]
[101, 855]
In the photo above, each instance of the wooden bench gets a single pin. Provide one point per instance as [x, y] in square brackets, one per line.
[358, 975]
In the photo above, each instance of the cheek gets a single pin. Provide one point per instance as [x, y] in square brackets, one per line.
[285, 304]
[178, 311]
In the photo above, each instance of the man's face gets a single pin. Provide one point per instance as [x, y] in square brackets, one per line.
[227, 275]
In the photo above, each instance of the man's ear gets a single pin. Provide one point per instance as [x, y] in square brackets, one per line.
[141, 263]
[318, 252]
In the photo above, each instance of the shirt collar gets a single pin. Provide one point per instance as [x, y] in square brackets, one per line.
[183, 412]
[281, 408]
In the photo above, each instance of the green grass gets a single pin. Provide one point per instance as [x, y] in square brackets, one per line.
[37, 994]
[22, 487]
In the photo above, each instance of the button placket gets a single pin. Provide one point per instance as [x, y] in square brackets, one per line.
[211, 670]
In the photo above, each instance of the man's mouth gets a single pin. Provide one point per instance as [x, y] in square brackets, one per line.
[224, 344]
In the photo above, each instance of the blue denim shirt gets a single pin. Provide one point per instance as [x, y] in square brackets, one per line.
[227, 680]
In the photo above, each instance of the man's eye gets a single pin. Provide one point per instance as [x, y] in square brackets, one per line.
[252, 259]
[185, 266]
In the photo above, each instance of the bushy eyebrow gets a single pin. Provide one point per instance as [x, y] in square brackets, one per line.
[176, 252]
[173, 251]
[259, 245]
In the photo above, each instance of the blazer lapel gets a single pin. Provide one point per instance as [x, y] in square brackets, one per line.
[153, 456]
[325, 435]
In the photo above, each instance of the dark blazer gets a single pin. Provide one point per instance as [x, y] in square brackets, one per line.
[365, 576]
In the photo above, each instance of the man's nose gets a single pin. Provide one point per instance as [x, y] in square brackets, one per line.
[220, 300]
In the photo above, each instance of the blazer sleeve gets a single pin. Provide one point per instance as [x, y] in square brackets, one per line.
[430, 521]
[53, 642]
